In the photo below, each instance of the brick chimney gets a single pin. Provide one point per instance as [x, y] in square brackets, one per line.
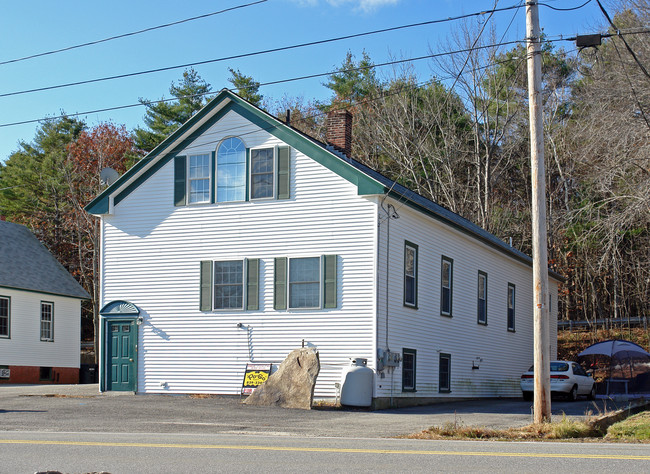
[339, 130]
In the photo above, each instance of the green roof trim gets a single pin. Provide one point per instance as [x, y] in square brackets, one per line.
[99, 205]
[365, 184]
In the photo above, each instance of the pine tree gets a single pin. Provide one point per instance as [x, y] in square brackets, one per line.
[354, 81]
[247, 88]
[163, 118]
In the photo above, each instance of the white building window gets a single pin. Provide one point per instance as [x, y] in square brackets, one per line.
[5, 319]
[446, 286]
[199, 178]
[304, 282]
[262, 173]
[408, 370]
[444, 373]
[410, 274]
[482, 298]
[47, 321]
[229, 285]
[231, 170]
[511, 307]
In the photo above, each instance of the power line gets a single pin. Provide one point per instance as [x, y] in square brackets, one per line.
[631, 51]
[472, 48]
[266, 51]
[133, 33]
[279, 81]
[381, 96]
[310, 76]
[627, 76]
[565, 9]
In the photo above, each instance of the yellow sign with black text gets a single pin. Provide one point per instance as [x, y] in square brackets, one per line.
[255, 375]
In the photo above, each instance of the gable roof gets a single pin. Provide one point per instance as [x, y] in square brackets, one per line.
[25, 264]
[367, 180]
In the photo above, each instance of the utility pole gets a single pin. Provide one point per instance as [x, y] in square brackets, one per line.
[541, 349]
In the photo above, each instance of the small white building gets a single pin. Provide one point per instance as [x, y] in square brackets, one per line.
[239, 238]
[40, 312]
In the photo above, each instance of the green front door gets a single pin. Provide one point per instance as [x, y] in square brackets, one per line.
[120, 355]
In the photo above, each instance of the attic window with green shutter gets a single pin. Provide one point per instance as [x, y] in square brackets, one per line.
[262, 169]
[199, 178]
[233, 173]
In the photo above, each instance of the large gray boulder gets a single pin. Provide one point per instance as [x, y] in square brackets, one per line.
[292, 385]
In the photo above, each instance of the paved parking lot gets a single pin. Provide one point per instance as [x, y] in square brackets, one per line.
[75, 408]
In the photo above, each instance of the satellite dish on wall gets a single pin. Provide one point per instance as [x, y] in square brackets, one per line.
[108, 176]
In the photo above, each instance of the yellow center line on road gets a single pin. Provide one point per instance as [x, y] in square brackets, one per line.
[325, 450]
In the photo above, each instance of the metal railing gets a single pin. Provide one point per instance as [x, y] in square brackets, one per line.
[611, 323]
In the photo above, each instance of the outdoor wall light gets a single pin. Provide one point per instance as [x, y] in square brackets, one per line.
[139, 321]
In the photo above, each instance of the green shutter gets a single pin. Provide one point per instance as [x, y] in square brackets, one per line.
[252, 283]
[180, 172]
[248, 173]
[206, 285]
[213, 178]
[329, 279]
[284, 154]
[280, 284]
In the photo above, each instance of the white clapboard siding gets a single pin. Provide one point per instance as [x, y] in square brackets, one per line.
[25, 347]
[502, 355]
[152, 255]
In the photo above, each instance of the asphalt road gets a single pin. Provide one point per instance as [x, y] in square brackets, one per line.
[75, 429]
[82, 408]
[153, 453]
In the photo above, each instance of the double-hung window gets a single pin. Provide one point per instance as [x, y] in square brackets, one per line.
[408, 370]
[262, 173]
[446, 286]
[5, 320]
[305, 282]
[199, 178]
[511, 307]
[482, 298]
[229, 285]
[410, 274]
[231, 170]
[444, 373]
[47, 321]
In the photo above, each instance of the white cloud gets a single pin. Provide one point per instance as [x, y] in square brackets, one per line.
[364, 5]
[368, 5]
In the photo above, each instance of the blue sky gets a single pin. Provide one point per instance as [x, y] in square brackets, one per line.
[36, 26]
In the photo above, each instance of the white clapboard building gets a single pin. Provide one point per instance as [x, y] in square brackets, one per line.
[239, 239]
[40, 312]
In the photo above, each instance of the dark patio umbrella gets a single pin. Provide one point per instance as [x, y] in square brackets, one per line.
[621, 354]
[615, 347]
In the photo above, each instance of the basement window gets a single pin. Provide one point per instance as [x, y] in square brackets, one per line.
[46, 374]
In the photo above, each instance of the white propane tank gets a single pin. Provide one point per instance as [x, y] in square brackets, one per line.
[356, 383]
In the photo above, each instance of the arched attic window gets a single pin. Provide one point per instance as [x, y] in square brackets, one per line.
[231, 170]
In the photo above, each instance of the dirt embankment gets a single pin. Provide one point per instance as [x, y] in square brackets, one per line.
[571, 343]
